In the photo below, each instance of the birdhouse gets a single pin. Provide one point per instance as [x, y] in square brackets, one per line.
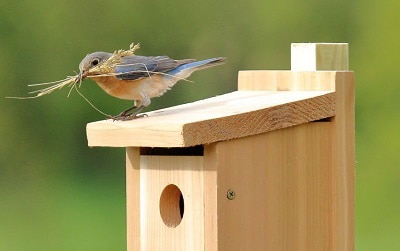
[267, 167]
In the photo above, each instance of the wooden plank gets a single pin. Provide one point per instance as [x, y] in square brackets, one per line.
[185, 172]
[133, 198]
[233, 115]
[210, 198]
[319, 56]
[265, 80]
[343, 173]
[283, 185]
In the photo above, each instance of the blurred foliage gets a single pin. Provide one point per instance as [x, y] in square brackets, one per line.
[58, 194]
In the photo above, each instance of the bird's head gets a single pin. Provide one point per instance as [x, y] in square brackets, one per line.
[91, 61]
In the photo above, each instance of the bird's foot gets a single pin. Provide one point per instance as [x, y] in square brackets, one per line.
[129, 114]
[126, 117]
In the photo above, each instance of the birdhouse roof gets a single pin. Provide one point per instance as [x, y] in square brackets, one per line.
[229, 116]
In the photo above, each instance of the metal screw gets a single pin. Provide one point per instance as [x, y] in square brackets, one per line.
[230, 194]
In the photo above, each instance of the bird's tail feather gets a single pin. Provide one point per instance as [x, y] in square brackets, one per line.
[198, 65]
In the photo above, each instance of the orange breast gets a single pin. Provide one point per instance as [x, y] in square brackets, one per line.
[140, 89]
[123, 89]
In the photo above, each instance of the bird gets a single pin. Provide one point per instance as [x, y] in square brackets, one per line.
[138, 78]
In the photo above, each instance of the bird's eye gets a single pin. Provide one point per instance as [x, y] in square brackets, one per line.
[95, 62]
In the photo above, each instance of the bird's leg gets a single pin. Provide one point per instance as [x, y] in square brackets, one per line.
[128, 111]
[129, 114]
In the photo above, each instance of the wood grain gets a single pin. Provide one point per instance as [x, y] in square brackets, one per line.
[229, 116]
[157, 172]
[283, 186]
[264, 80]
[343, 173]
[133, 198]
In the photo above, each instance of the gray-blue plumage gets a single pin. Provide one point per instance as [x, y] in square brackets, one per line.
[136, 67]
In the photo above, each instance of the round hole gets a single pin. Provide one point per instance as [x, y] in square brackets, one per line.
[171, 206]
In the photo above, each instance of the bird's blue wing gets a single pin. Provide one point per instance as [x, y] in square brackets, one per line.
[136, 67]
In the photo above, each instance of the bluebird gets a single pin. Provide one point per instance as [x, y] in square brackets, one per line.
[139, 78]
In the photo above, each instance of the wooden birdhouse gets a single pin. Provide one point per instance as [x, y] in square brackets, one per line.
[267, 167]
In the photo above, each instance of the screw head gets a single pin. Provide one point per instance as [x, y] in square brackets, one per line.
[230, 194]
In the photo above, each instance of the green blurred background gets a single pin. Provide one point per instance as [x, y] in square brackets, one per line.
[58, 194]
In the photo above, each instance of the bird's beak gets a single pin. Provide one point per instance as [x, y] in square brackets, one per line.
[81, 76]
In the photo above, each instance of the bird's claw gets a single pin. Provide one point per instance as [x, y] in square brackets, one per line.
[125, 117]
[129, 114]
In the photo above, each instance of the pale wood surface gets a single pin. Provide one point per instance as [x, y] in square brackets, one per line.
[294, 187]
[233, 115]
[283, 186]
[343, 173]
[319, 56]
[186, 172]
[133, 198]
[147, 176]
[211, 196]
[263, 80]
